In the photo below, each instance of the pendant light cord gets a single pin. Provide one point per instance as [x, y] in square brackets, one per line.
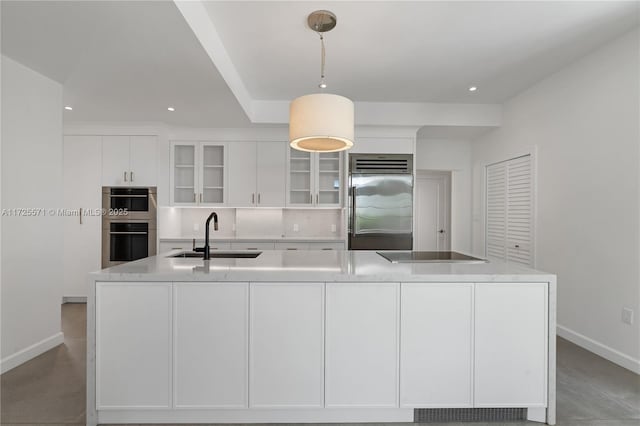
[322, 84]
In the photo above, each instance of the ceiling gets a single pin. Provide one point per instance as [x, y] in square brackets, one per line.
[129, 61]
[425, 51]
[121, 61]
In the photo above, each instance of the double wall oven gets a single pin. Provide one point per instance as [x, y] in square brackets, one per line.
[128, 224]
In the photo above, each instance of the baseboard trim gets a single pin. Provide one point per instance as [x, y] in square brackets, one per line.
[606, 352]
[74, 299]
[30, 352]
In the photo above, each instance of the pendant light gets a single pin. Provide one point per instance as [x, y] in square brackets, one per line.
[321, 122]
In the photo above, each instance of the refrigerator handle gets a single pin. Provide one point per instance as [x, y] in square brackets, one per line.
[353, 211]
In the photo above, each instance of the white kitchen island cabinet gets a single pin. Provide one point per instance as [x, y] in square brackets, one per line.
[286, 348]
[361, 368]
[133, 345]
[513, 319]
[296, 336]
[436, 349]
[210, 345]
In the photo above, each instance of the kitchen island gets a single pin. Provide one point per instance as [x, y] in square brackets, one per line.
[317, 336]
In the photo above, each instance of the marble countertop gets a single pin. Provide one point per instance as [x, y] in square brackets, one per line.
[261, 239]
[314, 266]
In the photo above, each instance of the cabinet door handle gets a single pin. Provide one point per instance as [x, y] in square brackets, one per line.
[310, 198]
[131, 176]
[201, 197]
[80, 215]
[317, 198]
[258, 198]
[125, 176]
[194, 197]
[253, 198]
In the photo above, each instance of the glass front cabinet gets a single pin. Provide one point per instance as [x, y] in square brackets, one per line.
[198, 173]
[314, 179]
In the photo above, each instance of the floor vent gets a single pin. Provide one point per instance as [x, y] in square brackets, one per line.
[441, 415]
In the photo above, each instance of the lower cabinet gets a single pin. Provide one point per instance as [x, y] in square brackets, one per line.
[511, 341]
[211, 345]
[191, 345]
[252, 246]
[133, 345]
[286, 360]
[362, 326]
[187, 245]
[436, 350]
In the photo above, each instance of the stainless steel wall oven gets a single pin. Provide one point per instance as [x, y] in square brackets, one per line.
[128, 224]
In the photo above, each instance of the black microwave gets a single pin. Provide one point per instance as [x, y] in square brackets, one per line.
[129, 202]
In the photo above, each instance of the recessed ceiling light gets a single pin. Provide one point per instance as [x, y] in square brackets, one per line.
[68, 108]
[171, 109]
[473, 88]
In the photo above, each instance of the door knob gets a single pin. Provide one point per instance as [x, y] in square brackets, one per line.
[441, 231]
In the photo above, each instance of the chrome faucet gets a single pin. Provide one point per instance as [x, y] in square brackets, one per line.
[206, 249]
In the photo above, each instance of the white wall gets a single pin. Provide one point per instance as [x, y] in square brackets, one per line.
[581, 124]
[31, 246]
[454, 156]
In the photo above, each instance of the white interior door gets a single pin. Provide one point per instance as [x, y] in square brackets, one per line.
[432, 218]
[509, 211]
[82, 190]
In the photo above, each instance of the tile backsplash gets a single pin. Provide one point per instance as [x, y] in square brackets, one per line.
[176, 222]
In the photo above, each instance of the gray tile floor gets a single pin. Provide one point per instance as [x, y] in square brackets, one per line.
[50, 389]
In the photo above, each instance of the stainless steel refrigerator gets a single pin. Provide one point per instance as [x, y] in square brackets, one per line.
[380, 202]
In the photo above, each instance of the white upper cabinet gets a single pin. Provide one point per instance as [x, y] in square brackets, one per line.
[315, 179]
[143, 161]
[257, 174]
[271, 173]
[115, 160]
[129, 161]
[198, 173]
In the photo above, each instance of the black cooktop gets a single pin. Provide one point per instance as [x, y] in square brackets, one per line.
[428, 257]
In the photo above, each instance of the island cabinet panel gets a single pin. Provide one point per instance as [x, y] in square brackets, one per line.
[362, 337]
[286, 348]
[436, 348]
[211, 345]
[133, 345]
[511, 345]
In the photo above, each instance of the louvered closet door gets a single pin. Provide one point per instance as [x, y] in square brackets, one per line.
[496, 211]
[519, 211]
[509, 232]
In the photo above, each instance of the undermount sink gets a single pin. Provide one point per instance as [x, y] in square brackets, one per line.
[219, 255]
